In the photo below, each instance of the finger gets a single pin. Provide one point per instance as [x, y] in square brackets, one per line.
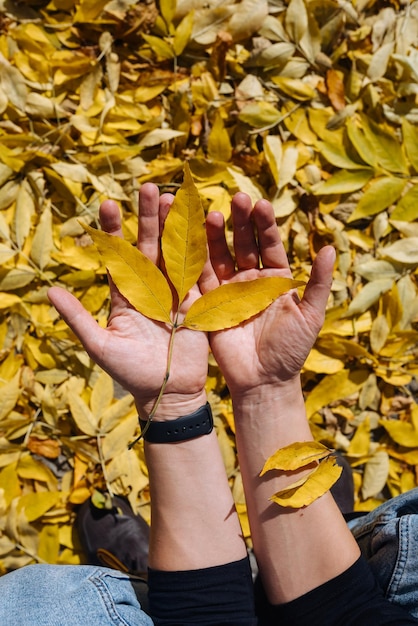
[110, 219]
[221, 259]
[166, 200]
[315, 297]
[272, 251]
[149, 221]
[79, 320]
[245, 244]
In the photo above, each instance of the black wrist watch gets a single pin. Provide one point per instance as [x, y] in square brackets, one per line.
[186, 427]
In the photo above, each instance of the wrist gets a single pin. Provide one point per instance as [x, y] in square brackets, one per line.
[171, 406]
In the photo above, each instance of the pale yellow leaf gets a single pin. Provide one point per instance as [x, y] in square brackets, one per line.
[6, 253]
[247, 19]
[24, 212]
[375, 474]
[368, 295]
[115, 412]
[101, 395]
[158, 136]
[42, 243]
[117, 441]
[83, 417]
[403, 251]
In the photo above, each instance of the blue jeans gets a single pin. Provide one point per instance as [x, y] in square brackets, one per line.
[388, 538]
[68, 595]
[65, 595]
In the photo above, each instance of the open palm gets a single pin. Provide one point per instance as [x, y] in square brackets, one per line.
[272, 347]
[134, 349]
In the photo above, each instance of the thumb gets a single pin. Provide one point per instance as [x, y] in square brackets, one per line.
[317, 290]
[78, 319]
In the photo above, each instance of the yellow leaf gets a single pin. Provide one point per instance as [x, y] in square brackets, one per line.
[24, 211]
[379, 195]
[160, 48]
[335, 387]
[295, 88]
[37, 504]
[168, 10]
[219, 145]
[344, 182]
[295, 456]
[183, 33]
[311, 487]
[387, 147]
[28, 467]
[260, 114]
[406, 209]
[184, 238]
[410, 139]
[89, 10]
[136, 277]
[49, 544]
[273, 155]
[360, 443]
[229, 305]
[402, 433]
[9, 393]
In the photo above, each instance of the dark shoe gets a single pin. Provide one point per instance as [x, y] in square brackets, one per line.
[114, 537]
[343, 489]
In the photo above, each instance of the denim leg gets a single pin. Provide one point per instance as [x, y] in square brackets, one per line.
[388, 538]
[66, 595]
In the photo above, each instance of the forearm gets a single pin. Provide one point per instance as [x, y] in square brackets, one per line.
[297, 550]
[193, 519]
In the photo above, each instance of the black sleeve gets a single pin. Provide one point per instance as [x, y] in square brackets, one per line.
[351, 599]
[215, 596]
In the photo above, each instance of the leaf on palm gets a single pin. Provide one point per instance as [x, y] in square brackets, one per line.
[136, 277]
[184, 238]
[231, 304]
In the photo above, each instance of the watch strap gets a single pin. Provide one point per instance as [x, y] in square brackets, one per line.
[181, 429]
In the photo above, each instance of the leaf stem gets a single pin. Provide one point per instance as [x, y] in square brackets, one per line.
[174, 328]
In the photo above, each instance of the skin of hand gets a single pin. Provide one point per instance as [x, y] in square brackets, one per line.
[272, 347]
[133, 349]
[296, 549]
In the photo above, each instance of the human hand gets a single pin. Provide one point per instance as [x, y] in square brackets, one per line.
[134, 349]
[271, 348]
